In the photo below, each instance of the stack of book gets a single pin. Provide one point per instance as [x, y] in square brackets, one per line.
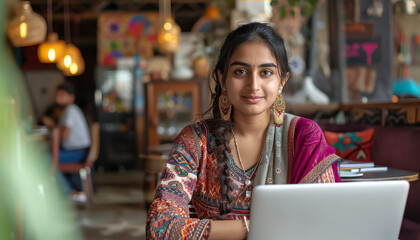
[356, 166]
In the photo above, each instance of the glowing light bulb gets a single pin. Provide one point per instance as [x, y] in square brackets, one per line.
[67, 61]
[23, 27]
[167, 26]
[73, 68]
[169, 37]
[51, 54]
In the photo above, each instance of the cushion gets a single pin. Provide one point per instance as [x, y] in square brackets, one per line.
[352, 145]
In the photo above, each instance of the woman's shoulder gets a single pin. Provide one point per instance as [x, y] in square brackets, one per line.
[299, 119]
[194, 139]
[304, 125]
[198, 130]
[307, 121]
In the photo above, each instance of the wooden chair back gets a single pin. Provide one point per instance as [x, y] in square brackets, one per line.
[95, 143]
[55, 146]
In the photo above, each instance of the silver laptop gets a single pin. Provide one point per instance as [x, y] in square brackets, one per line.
[355, 210]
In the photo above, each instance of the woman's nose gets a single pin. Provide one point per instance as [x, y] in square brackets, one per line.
[254, 81]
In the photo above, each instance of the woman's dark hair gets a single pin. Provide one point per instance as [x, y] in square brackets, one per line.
[252, 32]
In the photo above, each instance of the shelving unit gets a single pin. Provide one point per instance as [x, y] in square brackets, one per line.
[171, 105]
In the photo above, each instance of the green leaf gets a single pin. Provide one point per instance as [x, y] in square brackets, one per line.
[274, 3]
[292, 13]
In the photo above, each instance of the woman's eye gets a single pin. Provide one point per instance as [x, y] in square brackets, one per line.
[240, 72]
[266, 73]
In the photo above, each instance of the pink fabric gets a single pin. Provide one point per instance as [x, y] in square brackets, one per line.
[312, 154]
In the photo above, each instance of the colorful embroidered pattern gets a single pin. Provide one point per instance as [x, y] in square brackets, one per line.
[191, 177]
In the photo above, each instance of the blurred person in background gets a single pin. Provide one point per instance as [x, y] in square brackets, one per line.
[74, 133]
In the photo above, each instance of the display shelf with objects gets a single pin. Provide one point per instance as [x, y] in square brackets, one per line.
[172, 105]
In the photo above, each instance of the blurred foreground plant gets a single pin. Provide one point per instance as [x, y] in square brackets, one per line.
[32, 206]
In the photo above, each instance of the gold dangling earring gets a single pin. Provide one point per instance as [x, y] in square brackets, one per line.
[225, 106]
[278, 111]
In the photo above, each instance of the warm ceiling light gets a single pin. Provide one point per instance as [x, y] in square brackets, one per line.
[169, 32]
[71, 61]
[27, 27]
[51, 54]
[168, 36]
[51, 50]
[77, 67]
[73, 68]
[70, 54]
[167, 26]
[23, 30]
[67, 60]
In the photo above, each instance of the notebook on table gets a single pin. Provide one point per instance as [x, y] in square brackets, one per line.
[354, 210]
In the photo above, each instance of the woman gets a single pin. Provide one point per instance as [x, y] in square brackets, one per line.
[249, 141]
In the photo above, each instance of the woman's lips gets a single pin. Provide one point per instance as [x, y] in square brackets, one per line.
[252, 99]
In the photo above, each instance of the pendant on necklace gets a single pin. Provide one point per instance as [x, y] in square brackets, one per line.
[247, 183]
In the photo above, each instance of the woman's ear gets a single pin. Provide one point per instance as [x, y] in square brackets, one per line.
[220, 77]
[283, 81]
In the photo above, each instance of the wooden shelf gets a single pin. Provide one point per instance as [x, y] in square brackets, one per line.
[386, 113]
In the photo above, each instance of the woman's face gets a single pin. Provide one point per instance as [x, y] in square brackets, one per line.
[253, 79]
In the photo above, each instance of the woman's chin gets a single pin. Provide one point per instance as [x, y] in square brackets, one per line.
[255, 112]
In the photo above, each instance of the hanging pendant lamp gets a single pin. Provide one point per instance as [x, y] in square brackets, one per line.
[27, 28]
[71, 55]
[169, 33]
[71, 62]
[52, 49]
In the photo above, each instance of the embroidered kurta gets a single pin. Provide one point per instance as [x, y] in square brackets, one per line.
[191, 176]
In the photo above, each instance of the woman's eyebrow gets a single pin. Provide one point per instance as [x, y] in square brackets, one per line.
[248, 65]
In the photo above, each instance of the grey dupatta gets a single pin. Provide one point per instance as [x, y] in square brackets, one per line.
[273, 164]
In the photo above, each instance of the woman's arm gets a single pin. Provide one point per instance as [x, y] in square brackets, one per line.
[228, 229]
[330, 175]
[168, 215]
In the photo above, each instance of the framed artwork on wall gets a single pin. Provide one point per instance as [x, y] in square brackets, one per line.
[125, 34]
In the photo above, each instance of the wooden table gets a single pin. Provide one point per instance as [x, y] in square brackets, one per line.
[390, 174]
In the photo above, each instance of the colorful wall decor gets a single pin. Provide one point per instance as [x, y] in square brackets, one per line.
[363, 52]
[125, 34]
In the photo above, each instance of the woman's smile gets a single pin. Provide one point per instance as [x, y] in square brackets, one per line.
[252, 99]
